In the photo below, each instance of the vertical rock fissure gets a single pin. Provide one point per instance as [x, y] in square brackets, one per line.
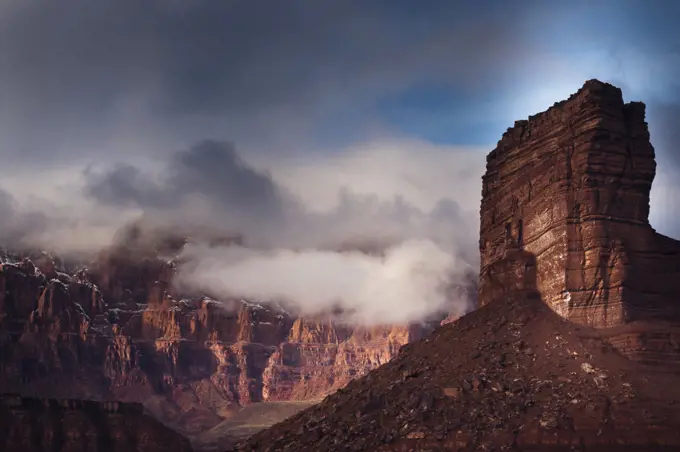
[606, 262]
[575, 250]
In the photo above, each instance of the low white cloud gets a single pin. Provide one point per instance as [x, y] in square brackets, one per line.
[407, 283]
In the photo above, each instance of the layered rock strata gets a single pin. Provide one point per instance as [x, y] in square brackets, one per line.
[571, 186]
[117, 331]
[37, 425]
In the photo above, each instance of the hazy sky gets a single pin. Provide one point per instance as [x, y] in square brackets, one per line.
[80, 78]
[332, 121]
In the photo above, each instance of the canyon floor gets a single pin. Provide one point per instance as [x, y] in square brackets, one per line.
[245, 423]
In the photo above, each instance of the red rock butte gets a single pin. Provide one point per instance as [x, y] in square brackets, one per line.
[570, 188]
[576, 345]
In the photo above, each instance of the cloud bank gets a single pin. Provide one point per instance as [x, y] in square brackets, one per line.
[373, 253]
[354, 120]
[408, 282]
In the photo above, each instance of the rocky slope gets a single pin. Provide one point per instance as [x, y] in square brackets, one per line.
[512, 375]
[118, 331]
[575, 346]
[36, 425]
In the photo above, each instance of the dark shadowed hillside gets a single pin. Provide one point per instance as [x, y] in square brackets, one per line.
[508, 376]
[41, 425]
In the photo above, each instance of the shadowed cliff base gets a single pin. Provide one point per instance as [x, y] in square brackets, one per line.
[530, 370]
[37, 425]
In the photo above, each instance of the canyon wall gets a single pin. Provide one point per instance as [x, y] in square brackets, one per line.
[571, 187]
[117, 331]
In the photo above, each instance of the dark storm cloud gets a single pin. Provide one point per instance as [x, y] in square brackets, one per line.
[75, 72]
[209, 190]
[96, 77]
[210, 169]
[215, 169]
[229, 54]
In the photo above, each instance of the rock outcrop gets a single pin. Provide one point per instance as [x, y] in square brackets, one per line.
[571, 186]
[37, 425]
[545, 363]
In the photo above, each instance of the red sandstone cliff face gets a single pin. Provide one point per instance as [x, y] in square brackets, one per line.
[571, 186]
[116, 331]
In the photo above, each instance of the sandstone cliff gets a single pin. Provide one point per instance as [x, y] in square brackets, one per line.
[37, 425]
[571, 185]
[116, 330]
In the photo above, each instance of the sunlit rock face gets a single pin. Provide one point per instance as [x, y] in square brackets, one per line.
[565, 208]
[117, 331]
[571, 186]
